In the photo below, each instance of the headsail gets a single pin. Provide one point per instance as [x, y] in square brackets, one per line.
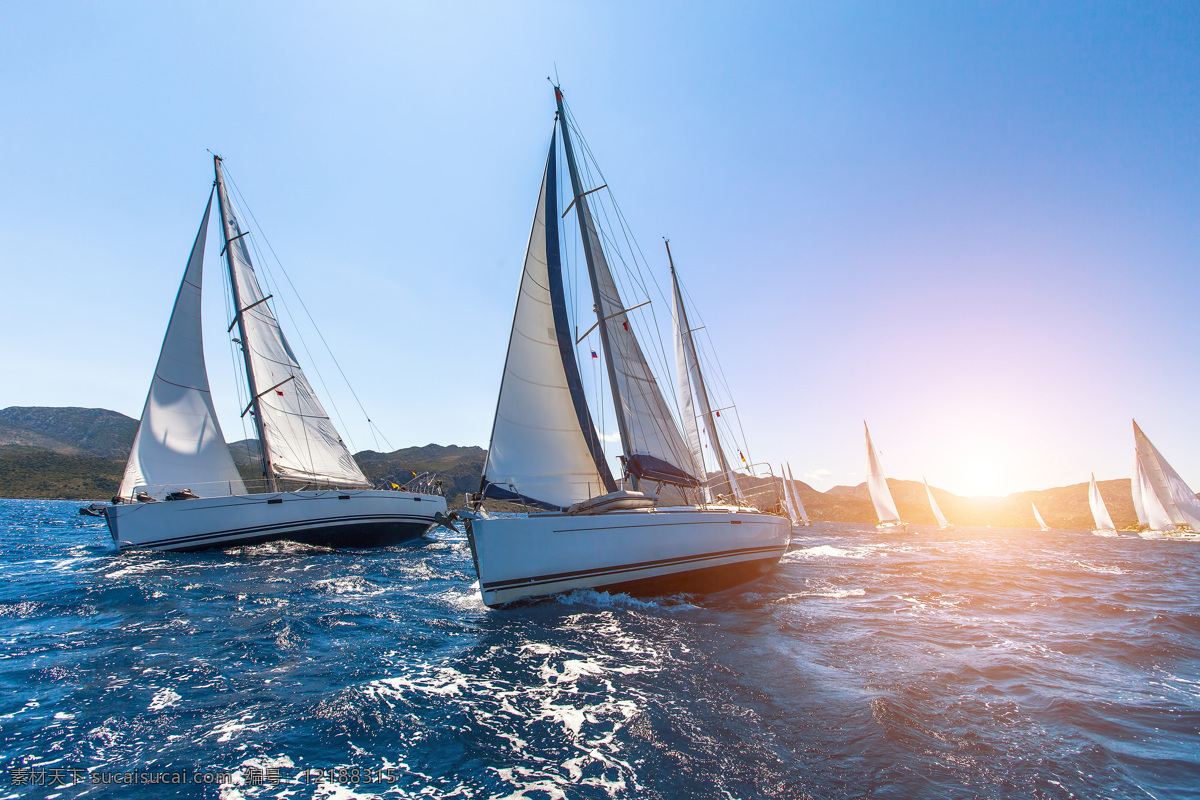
[297, 436]
[691, 379]
[788, 505]
[654, 447]
[796, 496]
[1099, 510]
[1176, 497]
[544, 448]
[881, 495]
[1135, 485]
[937, 511]
[1041, 522]
[179, 444]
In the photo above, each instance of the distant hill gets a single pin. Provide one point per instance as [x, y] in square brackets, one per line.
[93, 431]
[80, 453]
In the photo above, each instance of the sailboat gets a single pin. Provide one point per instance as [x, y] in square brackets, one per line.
[1162, 500]
[179, 453]
[943, 525]
[795, 506]
[881, 496]
[592, 532]
[1104, 523]
[1041, 522]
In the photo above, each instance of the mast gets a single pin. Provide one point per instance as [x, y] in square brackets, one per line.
[685, 329]
[223, 203]
[581, 215]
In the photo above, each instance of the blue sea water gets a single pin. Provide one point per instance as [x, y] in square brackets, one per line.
[978, 663]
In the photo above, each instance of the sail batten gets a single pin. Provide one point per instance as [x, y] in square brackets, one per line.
[544, 450]
[179, 444]
[298, 439]
[881, 495]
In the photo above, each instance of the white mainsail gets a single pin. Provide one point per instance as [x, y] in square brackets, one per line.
[1041, 523]
[544, 448]
[1176, 497]
[937, 511]
[788, 505]
[796, 496]
[690, 378]
[881, 495]
[1153, 514]
[654, 447]
[1099, 510]
[179, 444]
[301, 443]
[1135, 485]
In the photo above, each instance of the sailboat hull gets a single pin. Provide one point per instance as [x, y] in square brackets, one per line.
[330, 518]
[892, 527]
[644, 552]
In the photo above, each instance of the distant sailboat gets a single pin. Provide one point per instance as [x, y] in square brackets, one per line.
[943, 525]
[1041, 522]
[1104, 523]
[796, 498]
[545, 451]
[179, 453]
[1165, 503]
[881, 496]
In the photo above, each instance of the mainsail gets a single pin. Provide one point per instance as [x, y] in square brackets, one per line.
[544, 449]
[179, 444]
[788, 505]
[1099, 510]
[1041, 523]
[881, 495]
[691, 379]
[654, 448]
[1153, 515]
[297, 437]
[937, 512]
[1176, 497]
[796, 496]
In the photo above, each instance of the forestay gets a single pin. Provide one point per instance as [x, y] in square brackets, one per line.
[301, 441]
[544, 449]
[179, 444]
[654, 447]
[881, 495]
[1176, 497]
[1099, 510]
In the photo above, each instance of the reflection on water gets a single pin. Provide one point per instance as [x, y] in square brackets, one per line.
[960, 664]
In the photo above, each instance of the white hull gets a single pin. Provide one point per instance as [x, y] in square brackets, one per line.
[346, 518]
[645, 552]
[1107, 533]
[892, 527]
[1183, 536]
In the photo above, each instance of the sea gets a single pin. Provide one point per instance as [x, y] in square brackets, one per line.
[975, 663]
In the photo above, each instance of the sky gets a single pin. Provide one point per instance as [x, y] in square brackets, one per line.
[973, 225]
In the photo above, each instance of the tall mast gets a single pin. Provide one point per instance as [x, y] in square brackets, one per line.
[582, 214]
[227, 231]
[685, 329]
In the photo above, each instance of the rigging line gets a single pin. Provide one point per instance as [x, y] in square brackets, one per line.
[304, 306]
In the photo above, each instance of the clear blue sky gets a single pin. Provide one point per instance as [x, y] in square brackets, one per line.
[976, 226]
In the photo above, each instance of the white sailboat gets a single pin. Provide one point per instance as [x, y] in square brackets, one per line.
[1041, 522]
[797, 505]
[943, 525]
[881, 496]
[1104, 523]
[545, 451]
[1165, 503]
[179, 452]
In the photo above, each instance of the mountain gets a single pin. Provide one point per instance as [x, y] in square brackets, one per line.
[92, 431]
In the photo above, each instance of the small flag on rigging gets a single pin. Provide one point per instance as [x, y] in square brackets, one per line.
[594, 354]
